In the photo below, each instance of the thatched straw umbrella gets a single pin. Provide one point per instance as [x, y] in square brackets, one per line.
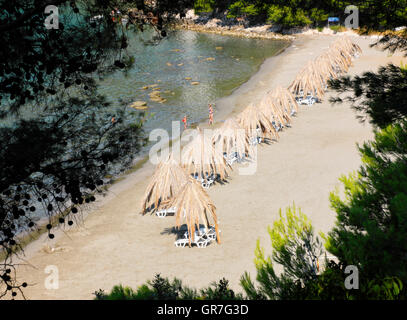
[231, 138]
[270, 107]
[194, 206]
[342, 59]
[328, 65]
[309, 80]
[336, 60]
[285, 100]
[252, 118]
[166, 181]
[200, 157]
[346, 44]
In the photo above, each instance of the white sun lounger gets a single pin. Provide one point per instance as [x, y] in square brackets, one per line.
[201, 239]
[163, 212]
[309, 100]
[198, 240]
[181, 243]
[206, 183]
[211, 234]
[232, 158]
[255, 141]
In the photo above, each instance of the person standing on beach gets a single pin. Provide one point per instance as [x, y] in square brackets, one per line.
[184, 120]
[210, 114]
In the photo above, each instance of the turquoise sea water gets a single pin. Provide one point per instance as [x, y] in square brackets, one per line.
[184, 54]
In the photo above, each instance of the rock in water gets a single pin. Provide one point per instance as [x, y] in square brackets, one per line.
[138, 104]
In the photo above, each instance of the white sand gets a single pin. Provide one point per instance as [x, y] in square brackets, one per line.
[117, 245]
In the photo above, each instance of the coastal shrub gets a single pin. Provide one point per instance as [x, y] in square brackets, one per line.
[158, 289]
[287, 16]
[337, 28]
[380, 98]
[220, 291]
[164, 289]
[304, 275]
[296, 249]
[204, 6]
[246, 8]
[59, 136]
[377, 14]
[371, 228]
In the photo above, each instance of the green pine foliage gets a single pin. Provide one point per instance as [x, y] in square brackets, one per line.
[164, 289]
[380, 98]
[296, 249]
[377, 14]
[371, 229]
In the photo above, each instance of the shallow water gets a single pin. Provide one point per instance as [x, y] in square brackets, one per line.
[184, 54]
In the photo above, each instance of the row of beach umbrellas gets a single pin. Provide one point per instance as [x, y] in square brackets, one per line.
[174, 183]
[314, 76]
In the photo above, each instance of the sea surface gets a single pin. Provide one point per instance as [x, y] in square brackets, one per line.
[216, 64]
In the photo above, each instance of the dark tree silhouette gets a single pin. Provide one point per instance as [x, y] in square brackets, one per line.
[379, 97]
[59, 140]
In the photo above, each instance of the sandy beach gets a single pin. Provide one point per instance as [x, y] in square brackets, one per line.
[116, 245]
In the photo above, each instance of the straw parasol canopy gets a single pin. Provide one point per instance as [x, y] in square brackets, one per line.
[200, 157]
[194, 207]
[342, 60]
[268, 105]
[231, 138]
[168, 178]
[346, 44]
[252, 118]
[285, 99]
[329, 65]
[314, 76]
[309, 80]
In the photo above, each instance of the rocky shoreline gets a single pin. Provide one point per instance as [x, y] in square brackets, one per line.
[221, 25]
[236, 31]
